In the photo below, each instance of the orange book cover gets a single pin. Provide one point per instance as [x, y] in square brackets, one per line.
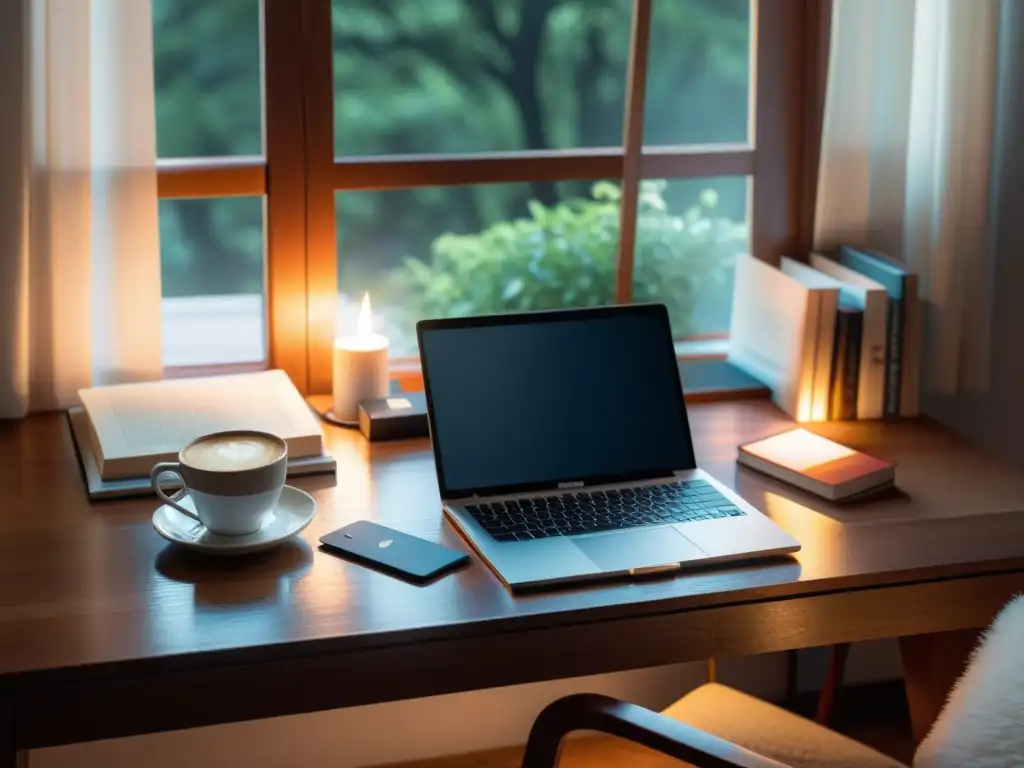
[818, 459]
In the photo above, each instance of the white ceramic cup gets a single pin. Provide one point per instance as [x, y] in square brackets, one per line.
[234, 479]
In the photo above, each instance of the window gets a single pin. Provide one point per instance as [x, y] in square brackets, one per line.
[465, 156]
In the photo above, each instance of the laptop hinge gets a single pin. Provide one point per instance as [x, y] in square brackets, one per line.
[463, 499]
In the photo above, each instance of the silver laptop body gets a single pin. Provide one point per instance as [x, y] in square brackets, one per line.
[539, 527]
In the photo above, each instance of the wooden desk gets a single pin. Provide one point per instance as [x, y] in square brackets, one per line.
[105, 631]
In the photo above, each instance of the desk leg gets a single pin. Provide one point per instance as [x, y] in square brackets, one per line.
[833, 682]
[10, 757]
[931, 664]
[8, 754]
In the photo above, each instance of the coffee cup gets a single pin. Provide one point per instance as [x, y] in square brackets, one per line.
[234, 479]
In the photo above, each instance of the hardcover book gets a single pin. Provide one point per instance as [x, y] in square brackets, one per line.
[827, 291]
[817, 465]
[774, 333]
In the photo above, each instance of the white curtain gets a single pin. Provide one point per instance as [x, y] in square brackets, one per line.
[79, 248]
[905, 163]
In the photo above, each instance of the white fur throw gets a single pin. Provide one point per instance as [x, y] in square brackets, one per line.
[982, 724]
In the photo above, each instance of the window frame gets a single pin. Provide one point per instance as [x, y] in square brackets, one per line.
[298, 175]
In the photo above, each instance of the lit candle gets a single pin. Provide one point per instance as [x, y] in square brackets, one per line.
[360, 366]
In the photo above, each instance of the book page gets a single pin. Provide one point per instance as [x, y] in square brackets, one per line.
[156, 418]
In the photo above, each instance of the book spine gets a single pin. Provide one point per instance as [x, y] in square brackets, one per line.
[913, 321]
[894, 358]
[873, 362]
[825, 360]
[808, 354]
[851, 369]
[836, 396]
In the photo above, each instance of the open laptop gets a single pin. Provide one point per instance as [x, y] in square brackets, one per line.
[563, 451]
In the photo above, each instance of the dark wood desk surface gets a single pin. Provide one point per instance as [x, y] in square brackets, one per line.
[105, 630]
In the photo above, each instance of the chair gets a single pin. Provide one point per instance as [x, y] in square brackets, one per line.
[717, 727]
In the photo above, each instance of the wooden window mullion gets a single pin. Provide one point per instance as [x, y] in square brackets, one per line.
[321, 247]
[633, 147]
[211, 177]
[285, 139]
[778, 123]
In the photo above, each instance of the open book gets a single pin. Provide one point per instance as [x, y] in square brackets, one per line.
[127, 428]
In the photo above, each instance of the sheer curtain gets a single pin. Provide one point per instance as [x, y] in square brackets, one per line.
[79, 247]
[906, 163]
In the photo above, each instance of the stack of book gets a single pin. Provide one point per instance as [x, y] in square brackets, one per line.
[838, 338]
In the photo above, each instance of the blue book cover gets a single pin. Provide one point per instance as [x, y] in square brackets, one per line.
[892, 275]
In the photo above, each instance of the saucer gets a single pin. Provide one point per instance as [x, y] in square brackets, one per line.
[293, 512]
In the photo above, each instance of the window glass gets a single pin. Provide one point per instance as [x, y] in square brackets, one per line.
[688, 234]
[461, 76]
[211, 255]
[207, 70]
[698, 72]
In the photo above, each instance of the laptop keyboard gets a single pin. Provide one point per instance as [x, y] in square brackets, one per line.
[579, 512]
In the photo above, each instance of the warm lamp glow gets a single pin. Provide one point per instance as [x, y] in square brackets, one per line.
[364, 324]
[799, 450]
[819, 412]
[804, 402]
[360, 366]
[803, 410]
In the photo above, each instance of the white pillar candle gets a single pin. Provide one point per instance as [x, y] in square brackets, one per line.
[360, 366]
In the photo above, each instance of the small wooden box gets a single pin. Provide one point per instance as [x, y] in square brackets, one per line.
[396, 417]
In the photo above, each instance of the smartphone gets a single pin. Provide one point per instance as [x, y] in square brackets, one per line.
[393, 552]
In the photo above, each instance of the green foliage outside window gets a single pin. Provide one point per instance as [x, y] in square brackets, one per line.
[566, 254]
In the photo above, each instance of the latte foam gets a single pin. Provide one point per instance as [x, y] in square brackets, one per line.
[227, 453]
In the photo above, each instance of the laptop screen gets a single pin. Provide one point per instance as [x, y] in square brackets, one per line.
[526, 402]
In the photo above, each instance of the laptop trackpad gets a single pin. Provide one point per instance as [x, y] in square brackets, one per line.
[623, 550]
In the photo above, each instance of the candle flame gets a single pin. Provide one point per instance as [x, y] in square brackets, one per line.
[364, 325]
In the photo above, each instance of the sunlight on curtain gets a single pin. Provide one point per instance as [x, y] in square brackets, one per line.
[79, 249]
[905, 161]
